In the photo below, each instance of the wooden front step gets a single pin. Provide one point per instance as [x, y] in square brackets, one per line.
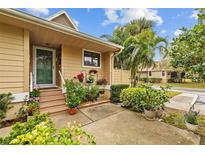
[52, 101]
[54, 109]
[52, 104]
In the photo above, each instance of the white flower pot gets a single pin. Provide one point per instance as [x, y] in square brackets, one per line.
[191, 126]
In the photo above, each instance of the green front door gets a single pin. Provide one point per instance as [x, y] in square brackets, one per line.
[44, 67]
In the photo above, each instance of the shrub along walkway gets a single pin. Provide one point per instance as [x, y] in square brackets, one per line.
[112, 124]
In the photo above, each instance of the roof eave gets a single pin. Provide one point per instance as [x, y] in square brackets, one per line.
[42, 22]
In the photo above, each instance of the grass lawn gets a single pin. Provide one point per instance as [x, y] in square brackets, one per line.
[184, 85]
[171, 94]
[177, 119]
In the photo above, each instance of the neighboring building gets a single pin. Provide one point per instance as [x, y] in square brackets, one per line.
[39, 53]
[160, 73]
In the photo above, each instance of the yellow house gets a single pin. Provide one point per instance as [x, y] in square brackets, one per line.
[41, 53]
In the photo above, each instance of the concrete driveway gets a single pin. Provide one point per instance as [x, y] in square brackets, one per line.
[112, 124]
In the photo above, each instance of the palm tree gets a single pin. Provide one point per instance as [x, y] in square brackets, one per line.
[140, 50]
[121, 33]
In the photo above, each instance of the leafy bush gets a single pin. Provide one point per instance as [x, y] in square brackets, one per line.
[143, 97]
[133, 98]
[41, 131]
[116, 90]
[34, 93]
[5, 100]
[19, 129]
[90, 79]
[191, 117]
[92, 93]
[75, 93]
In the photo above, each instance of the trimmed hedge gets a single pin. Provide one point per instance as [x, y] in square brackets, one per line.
[116, 90]
[143, 97]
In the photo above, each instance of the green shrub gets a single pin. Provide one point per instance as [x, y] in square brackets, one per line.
[76, 93]
[143, 97]
[92, 93]
[133, 98]
[19, 129]
[42, 132]
[34, 93]
[155, 80]
[5, 100]
[116, 90]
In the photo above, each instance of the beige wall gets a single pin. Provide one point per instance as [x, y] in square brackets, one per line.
[121, 76]
[14, 59]
[72, 63]
[157, 74]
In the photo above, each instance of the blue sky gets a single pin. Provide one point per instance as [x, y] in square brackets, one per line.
[103, 21]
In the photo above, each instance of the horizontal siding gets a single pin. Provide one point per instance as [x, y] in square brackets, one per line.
[11, 59]
[72, 63]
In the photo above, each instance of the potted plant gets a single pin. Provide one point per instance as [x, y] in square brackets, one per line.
[102, 83]
[154, 102]
[72, 102]
[90, 79]
[191, 120]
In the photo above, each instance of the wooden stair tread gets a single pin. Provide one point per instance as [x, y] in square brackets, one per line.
[50, 93]
[51, 98]
[52, 103]
[54, 109]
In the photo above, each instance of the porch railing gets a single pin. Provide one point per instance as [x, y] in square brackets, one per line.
[31, 82]
[63, 82]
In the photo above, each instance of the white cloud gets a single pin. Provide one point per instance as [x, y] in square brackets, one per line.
[38, 11]
[76, 22]
[123, 16]
[163, 31]
[178, 32]
[194, 15]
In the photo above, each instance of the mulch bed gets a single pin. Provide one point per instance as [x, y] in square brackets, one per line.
[8, 123]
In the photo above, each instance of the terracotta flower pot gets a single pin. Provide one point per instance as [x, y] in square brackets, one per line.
[191, 126]
[72, 111]
[150, 114]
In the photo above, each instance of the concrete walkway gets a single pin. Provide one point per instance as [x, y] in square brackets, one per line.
[112, 124]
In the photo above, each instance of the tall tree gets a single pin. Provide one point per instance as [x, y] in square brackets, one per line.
[141, 51]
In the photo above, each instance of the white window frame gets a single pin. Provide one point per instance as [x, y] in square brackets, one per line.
[83, 50]
[34, 67]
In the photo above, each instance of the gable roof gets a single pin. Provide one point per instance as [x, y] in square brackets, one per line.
[25, 17]
[62, 17]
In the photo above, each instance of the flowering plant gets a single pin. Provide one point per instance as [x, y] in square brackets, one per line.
[80, 77]
[191, 117]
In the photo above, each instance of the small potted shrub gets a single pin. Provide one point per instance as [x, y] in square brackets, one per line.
[35, 94]
[191, 120]
[90, 79]
[154, 102]
[72, 102]
[75, 93]
[102, 83]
